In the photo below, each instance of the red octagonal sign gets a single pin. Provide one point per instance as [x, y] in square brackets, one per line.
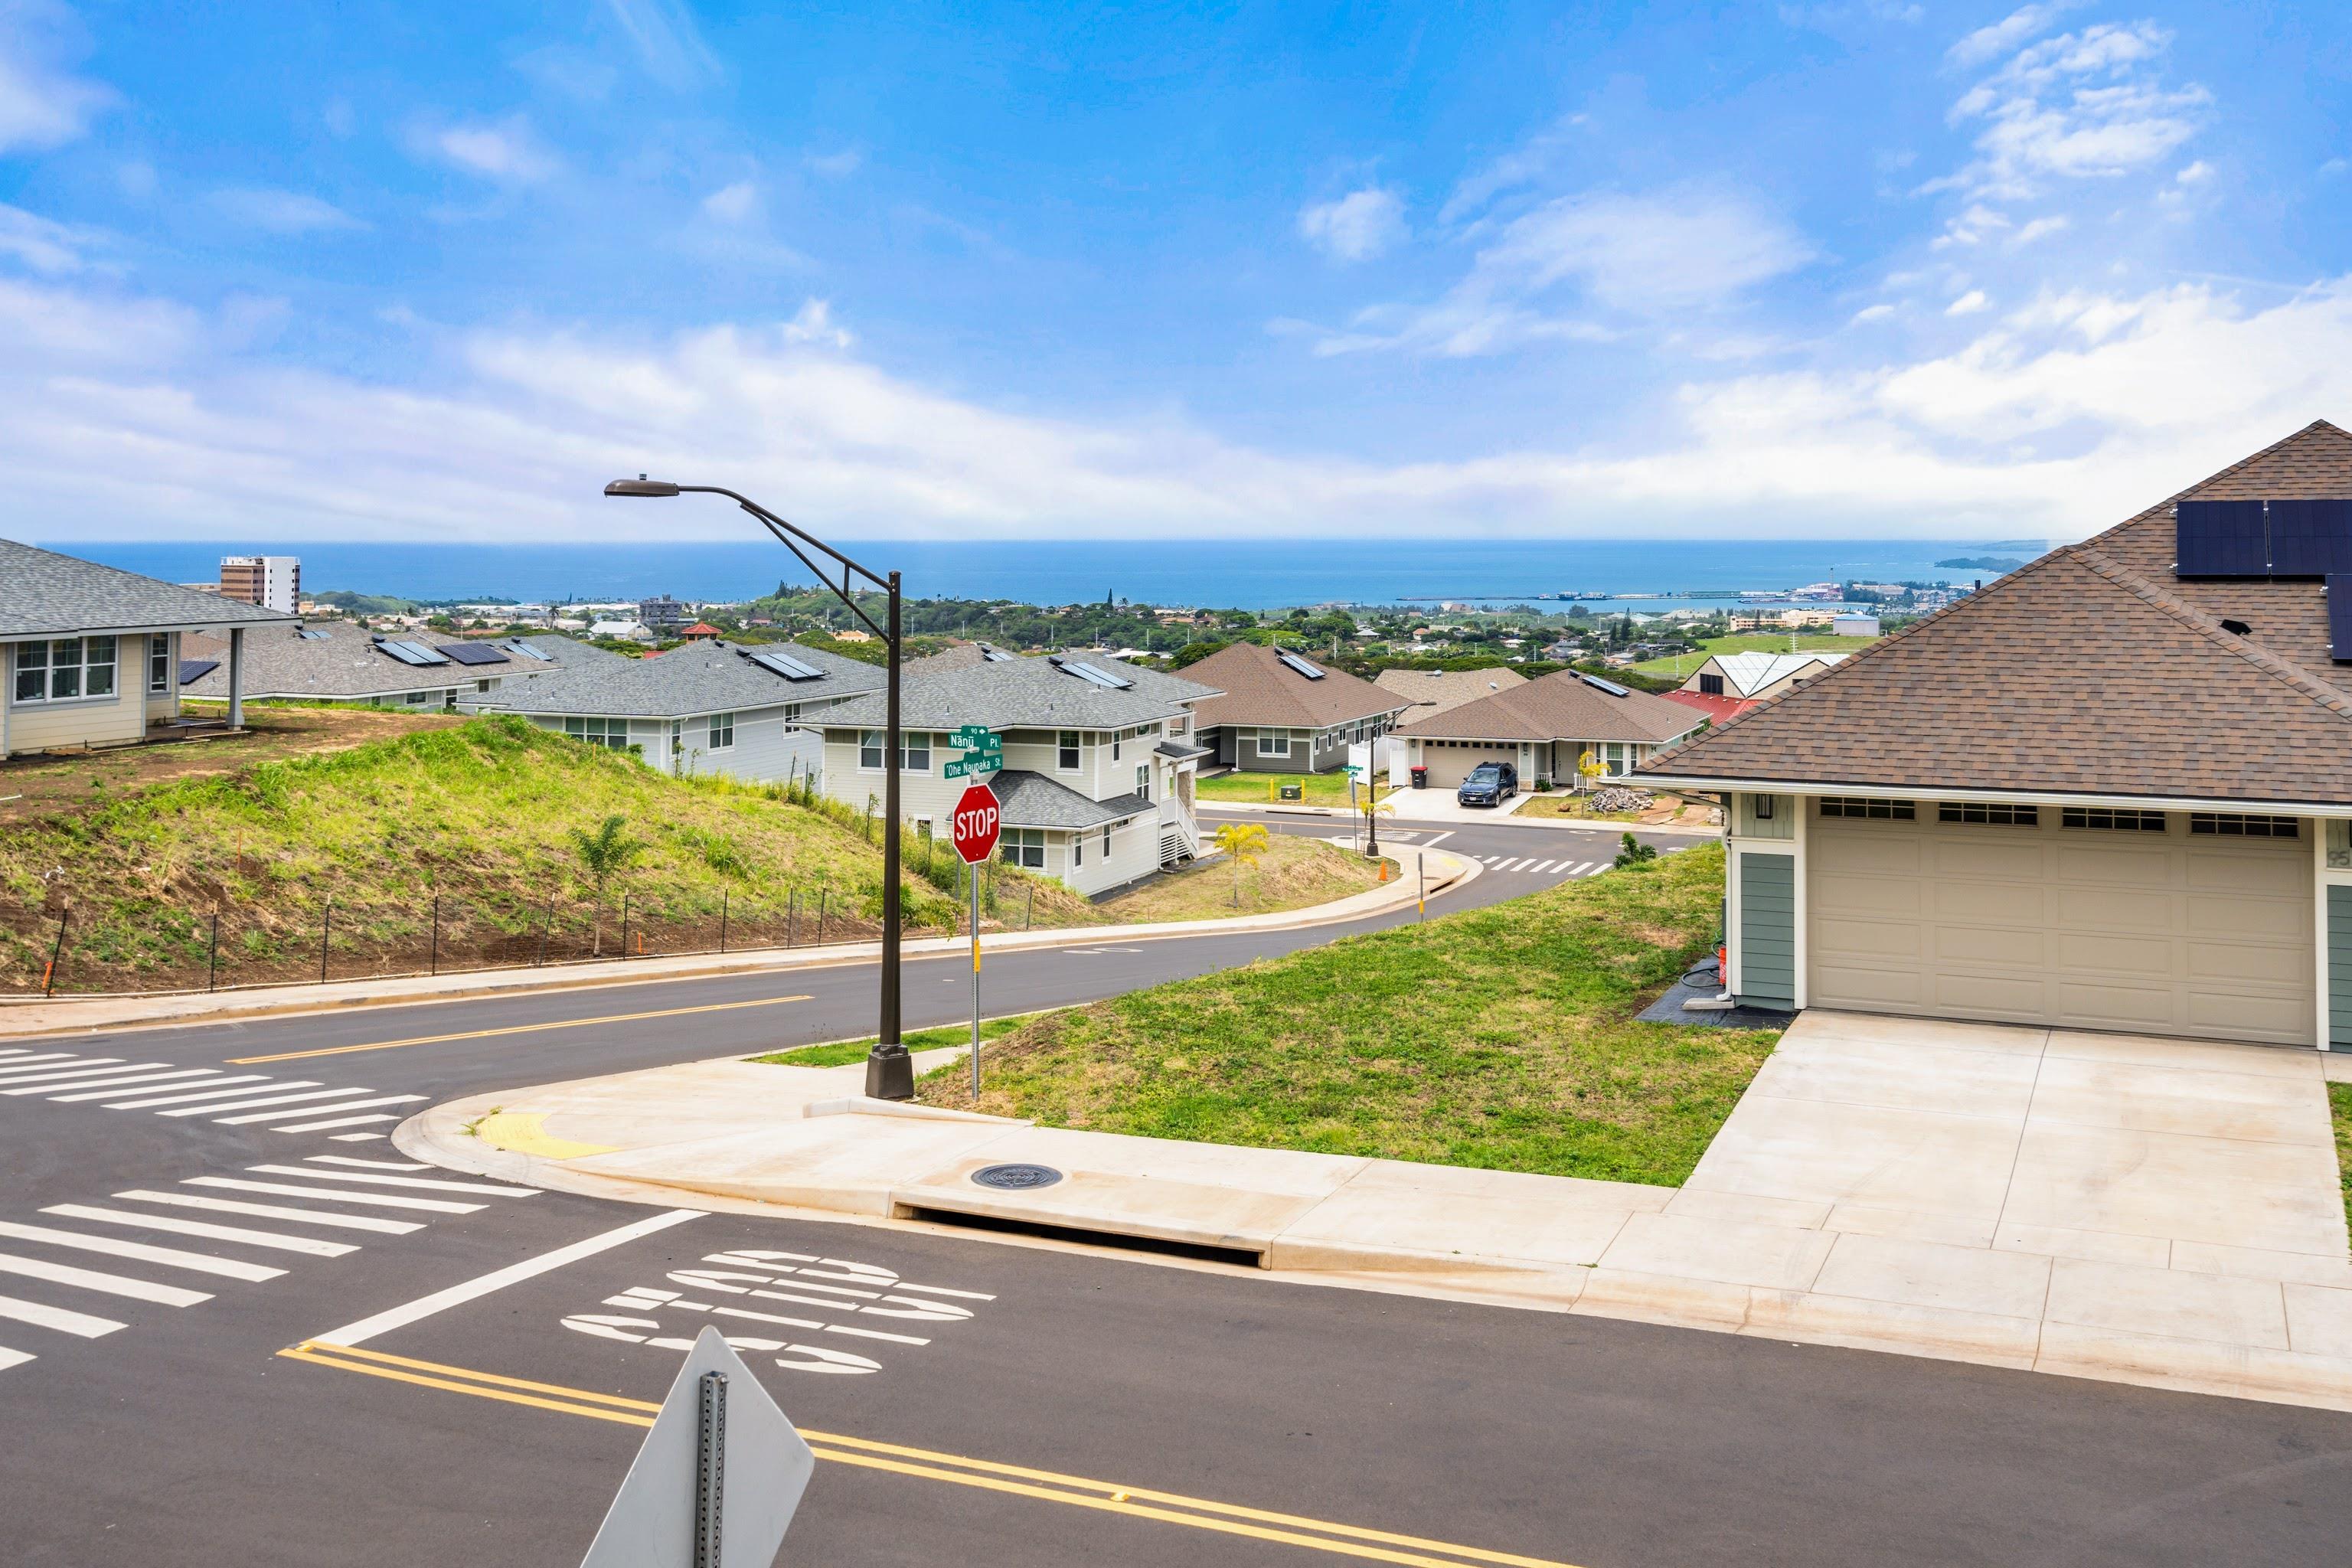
[975, 824]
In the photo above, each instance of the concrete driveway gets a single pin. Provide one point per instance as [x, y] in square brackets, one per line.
[2154, 1210]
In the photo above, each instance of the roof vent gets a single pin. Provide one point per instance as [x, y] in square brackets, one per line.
[2238, 628]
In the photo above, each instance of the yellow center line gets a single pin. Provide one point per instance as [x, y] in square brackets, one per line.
[1049, 1486]
[511, 1029]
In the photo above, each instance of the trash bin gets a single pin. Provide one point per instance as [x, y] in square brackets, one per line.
[1419, 776]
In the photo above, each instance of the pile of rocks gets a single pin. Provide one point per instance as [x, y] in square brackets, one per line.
[1615, 799]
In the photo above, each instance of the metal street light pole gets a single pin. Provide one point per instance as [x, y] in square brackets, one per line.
[889, 1070]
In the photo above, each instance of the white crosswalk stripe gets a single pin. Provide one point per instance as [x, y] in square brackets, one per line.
[96, 1067]
[64, 1322]
[377, 1200]
[92, 1280]
[29, 1060]
[111, 1084]
[314, 1110]
[352, 1137]
[421, 1183]
[276, 1211]
[255, 1104]
[114, 1091]
[341, 1122]
[248, 1079]
[171, 1257]
[357, 1163]
[175, 1225]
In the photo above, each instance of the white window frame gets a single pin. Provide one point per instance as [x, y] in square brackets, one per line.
[83, 667]
[1015, 845]
[159, 664]
[1143, 780]
[613, 734]
[718, 733]
[913, 751]
[1069, 751]
[1274, 743]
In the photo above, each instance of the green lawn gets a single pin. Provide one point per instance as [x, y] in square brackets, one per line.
[1498, 1038]
[841, 1052]
[1322, 789]
[1682, 665]
[2339, 1101]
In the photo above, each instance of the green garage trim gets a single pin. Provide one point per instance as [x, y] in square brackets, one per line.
[2339, 967]
[1768, 929]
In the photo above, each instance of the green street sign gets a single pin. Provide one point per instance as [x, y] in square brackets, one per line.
[972, 764]
[976, 736]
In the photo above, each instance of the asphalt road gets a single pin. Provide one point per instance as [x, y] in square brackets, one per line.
[982, 1401]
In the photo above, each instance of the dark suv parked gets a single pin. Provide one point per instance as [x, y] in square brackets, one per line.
[1490, 784]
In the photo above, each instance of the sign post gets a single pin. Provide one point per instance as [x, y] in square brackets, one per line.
[975, 826]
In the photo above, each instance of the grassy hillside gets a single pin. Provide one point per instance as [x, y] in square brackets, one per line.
[1499, 1038]
[481, 814]
[1680, 665]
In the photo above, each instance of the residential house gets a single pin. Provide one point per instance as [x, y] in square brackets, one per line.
[91, 656]
[1747, 679]
[1099, 759]
[341, 661]
[1545, 727]
[1856, 624]
[2111, 791]
[701, 631]
[1433, 691]
[621, 631]
[745, 710]
[1281, 712]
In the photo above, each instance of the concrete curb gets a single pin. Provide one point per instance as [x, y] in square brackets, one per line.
[30, 1017]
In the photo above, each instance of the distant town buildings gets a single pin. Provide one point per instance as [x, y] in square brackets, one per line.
[271, 582]
[663, 613]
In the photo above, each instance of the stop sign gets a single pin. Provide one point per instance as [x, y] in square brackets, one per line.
[975, 823]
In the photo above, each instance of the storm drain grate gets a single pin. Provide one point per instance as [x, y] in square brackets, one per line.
[1016, 1178]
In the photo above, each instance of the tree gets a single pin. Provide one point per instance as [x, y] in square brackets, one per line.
[1635, 852]
[605, 852]
[1242, 843]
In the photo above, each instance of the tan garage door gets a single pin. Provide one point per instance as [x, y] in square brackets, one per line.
[1450, 762]
[2084, 927]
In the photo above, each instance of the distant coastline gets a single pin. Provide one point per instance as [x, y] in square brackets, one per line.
[1981, 563]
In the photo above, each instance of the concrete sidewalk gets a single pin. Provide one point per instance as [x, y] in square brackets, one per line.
[29, 1016]
[2133, 1209]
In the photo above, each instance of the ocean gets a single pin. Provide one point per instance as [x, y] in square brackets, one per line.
[1252, 574]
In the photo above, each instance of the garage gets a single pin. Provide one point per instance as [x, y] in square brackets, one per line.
[1450, 762]
[2080, 917]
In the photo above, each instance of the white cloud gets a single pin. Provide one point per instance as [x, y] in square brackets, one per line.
[834, 165]
[2079, 105]
[2197, 173]
[42, 104]
[1986, 43]
[41, 244]
[1357, 227]
[2040, 229]
[1870, 313]
[666, 41]
[1521, 165]
[282, 212]
[1968, 304]
[506, 150]
[733, 204]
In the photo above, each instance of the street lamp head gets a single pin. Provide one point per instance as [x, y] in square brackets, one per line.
[641, 486]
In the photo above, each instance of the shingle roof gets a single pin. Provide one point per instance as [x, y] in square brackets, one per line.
[1259, 688]
[691, 678]
[1027, 693]
[1749, 673]
[962, 656]
[1435, 691]
[1032, 800]
[340, 659]
[44, 593]
[2092, 670]
[1560, 706]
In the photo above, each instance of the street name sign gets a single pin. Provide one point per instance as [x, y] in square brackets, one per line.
[973, 828]
[718, 1479]
[976, 738]
[972, 765]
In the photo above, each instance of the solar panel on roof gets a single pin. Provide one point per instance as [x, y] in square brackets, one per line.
[785, 665]
[2339, 617]
[1092, 676]
[473, 653]
[994, 656]
[1298, 664]
[2221, 539]
[314, 633]
[410, 652]
[1610, 687]
[2309, 538]
[194, 669]
[516, 645]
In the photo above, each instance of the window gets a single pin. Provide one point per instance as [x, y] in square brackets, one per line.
[65, 669]
[1077, 849]
[2112, 818]
[722, 728]
[1998, 813]
[1711, 684]
[159, 662]
[1274, 743]
[1115, 737]
[414, 698]
[610, 733]
[1065, 750]
[1763, 807]
[1870, 810]
[485, 685]
[1106, 843]
[1023, 846]
[1143, 781]
[913, 751]
[2232, 824]
[1179, 726]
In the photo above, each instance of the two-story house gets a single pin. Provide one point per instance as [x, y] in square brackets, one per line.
[1099, 758]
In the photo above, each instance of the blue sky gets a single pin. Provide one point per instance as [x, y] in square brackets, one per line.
[1866, 268]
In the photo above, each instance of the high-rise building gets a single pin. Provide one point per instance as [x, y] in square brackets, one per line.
[273, 582]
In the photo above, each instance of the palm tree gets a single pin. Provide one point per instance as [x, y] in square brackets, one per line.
[1242, 843]
[607, 850]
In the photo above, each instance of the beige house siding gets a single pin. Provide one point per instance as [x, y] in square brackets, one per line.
[85, 721]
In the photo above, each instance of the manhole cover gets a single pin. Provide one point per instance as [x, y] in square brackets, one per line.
[1016, 1178]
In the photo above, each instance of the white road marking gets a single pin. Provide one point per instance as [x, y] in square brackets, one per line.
[51, 1056]
[198, 1228]
[9, 1358]
[339, 1121]
[113, 1090]
[58, 1318]
[92, 1279]
[1437, 838]
[380, 1200]
[89, 1071]
[171, 1257]
[943, 1290]
[369, 1164]
[51, 1089]
[424, 1182]
[274, 1211]
[248, 1079]
[874, 1334]
[255, 1104]
[366, 1329]
[314, 1110]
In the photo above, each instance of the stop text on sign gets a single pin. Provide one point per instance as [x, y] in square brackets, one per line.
[975, 823]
